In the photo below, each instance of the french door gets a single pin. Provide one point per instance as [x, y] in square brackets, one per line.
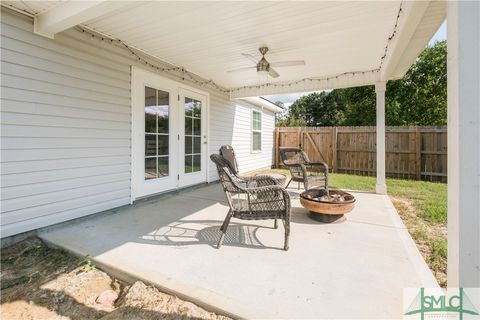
[193, 138]
[169, 135]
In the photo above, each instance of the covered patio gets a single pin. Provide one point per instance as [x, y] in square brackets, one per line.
[354, 269]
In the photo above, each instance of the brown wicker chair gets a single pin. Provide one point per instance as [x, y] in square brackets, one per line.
[264, 201]
[311, 174]
[228, 154]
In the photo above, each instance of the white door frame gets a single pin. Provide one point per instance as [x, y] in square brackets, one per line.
[137, 74]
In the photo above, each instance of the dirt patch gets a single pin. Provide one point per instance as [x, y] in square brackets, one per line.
[431, 238]
[38, 282]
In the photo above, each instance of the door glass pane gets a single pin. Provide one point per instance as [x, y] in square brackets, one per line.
[196, 108]
[150, 168]
[197, 127]
[188, 164]
[188, 107]
[196, 163]
[162, 145]
[150, 119]
[188, 145]
[188, 125]
[193, 135]
[150, 97]
[156, 133]
[197, 144]
[150, 144]
[150, 109]
[162, 112]
[162, 166]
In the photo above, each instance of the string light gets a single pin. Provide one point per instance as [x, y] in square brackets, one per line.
[174, 70]
[390, 38]
[186, 75]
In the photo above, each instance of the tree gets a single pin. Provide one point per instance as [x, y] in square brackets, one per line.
[318, 109]
[420, 98]
[282, 119]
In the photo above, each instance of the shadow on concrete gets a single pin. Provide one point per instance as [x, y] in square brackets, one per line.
[206, 232]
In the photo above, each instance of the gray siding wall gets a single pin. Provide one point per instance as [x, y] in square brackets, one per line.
[66, 122]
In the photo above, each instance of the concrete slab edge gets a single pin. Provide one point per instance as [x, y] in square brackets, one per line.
[427, 278]
[131, 278]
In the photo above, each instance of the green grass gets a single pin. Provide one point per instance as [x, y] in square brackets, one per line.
[422, 206]
[430, 198]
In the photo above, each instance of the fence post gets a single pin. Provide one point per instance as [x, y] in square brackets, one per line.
[334, 149]
[418, 152]
[277, 145]
[299, 137]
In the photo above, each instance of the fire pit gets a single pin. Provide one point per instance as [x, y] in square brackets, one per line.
[327, 205]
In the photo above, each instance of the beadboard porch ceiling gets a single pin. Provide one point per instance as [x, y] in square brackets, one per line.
[377, 40]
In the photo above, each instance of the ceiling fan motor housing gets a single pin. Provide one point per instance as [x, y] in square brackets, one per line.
[263, 65]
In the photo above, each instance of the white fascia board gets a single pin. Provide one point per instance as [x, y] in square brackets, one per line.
[72, 13]
[356, 79]
[260, 102]
[410, 17]
[432, 20]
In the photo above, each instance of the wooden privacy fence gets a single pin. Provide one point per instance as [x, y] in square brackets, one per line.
[412, 152]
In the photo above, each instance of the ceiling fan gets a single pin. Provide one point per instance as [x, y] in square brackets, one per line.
[264, 68]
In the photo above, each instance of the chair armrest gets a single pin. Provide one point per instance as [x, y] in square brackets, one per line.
[319, 164]
[260, 180]
[268, 196]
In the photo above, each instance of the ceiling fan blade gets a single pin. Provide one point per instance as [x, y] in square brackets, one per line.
[241, 69]
[287, 63]
[273, 73]
[250, 57]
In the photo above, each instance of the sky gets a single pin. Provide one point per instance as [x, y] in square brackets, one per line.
[288, 99]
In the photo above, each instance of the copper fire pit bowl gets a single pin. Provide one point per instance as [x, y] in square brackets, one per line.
[327, 206]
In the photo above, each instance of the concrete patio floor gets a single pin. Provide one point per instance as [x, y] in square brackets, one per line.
[355, 269]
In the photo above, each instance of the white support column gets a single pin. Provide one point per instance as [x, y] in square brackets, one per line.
[463, 36]
[381, 187]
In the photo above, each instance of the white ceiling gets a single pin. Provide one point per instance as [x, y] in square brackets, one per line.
[32, 7]
[209, 37]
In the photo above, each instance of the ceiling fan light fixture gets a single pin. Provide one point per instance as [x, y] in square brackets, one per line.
[262, 75]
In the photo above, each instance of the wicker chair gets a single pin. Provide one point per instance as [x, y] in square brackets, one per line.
[311, 174]
[228, 154]
[264, 201]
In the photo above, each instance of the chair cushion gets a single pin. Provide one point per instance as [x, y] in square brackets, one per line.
[229, 155]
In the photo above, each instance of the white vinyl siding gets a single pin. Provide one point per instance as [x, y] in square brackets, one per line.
[66, 127]
[230, 124]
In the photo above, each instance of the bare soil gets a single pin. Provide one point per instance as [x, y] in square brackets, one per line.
[38, 282]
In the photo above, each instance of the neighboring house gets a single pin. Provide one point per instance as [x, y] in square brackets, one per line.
[86, 128]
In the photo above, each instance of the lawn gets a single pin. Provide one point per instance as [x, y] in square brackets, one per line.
[423, 208]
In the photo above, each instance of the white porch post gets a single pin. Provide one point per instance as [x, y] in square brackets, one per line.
[463, 36]
[381, 187]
